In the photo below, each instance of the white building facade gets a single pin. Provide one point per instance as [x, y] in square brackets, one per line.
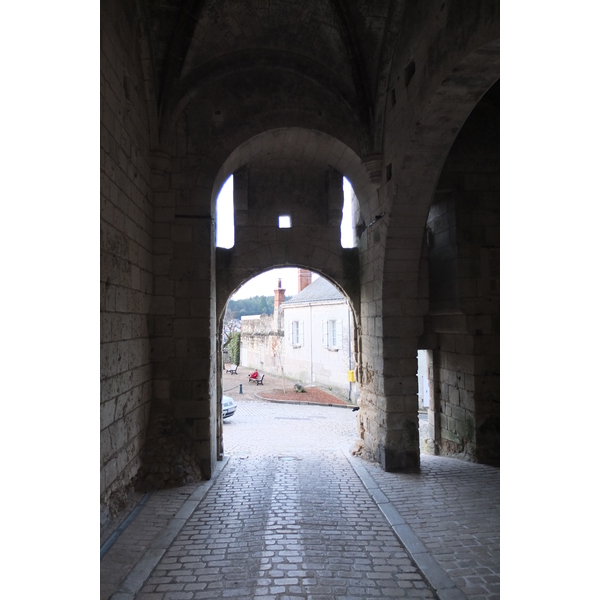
[319, 336]
[309, 338]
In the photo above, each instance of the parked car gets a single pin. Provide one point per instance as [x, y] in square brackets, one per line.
[229, 407]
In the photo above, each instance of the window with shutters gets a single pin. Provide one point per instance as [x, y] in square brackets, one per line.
[297, 334]
[332, 334]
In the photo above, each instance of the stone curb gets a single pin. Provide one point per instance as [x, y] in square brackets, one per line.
[255, 395]
[298, 402]
[437, 578]
[135, 579]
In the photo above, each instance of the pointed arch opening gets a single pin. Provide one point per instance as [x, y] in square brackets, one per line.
[296, 329]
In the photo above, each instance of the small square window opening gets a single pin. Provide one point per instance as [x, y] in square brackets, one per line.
[285, 221]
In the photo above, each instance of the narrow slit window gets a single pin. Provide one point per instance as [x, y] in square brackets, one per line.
[285, 221]
[347, 237]
[225, 220]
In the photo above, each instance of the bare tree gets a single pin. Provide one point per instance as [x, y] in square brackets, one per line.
[230, 326]
[277, 350]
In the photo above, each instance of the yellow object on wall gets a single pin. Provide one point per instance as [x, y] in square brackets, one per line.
[351, 377]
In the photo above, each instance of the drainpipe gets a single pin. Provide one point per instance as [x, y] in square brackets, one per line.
[349, 353]
[311, 340]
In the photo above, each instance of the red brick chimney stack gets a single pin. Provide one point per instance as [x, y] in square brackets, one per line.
[279, 295]
[279, 300]
[304, 279]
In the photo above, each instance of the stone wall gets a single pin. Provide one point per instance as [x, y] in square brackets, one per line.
[437, 75]
[260, 344]
[464, 269]
[371, 425]
[126, 255]
[300, 179]
[289, 130]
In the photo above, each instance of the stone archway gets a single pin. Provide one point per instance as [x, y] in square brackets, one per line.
[269, 346]
[390, 395]
[463, 262]
[311, 93]
[298, 171]
[294, 171]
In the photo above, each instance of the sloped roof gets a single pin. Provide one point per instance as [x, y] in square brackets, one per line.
[319, 290]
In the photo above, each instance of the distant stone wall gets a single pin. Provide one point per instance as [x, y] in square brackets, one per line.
[260, 345]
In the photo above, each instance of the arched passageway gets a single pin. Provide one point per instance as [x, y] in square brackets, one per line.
[290, 102]
[462, 253]
[401, 307]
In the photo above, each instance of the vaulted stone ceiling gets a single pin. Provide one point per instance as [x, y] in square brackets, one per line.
[251, 65]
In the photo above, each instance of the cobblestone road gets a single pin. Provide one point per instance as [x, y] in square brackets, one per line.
[294, 515]
[288, 518]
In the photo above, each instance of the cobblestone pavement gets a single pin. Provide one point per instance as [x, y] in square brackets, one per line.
[293, 515]
[158, 511]
[453, 507]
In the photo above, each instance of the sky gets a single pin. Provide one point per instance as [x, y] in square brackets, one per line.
[265, 283]
[225, 225]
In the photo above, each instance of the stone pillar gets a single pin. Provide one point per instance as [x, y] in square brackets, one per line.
[392, 318]
[398, 448]
[182, 440]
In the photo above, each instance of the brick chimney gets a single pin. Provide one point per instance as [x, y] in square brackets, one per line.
[277, 313]
[304, 279]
